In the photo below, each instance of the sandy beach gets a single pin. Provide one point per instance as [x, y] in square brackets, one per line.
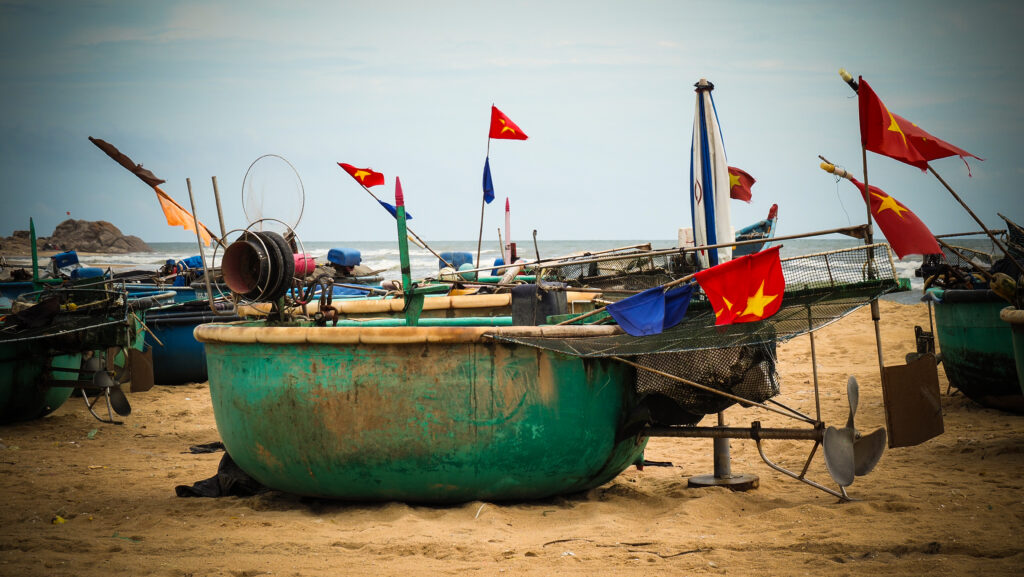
[86, 498]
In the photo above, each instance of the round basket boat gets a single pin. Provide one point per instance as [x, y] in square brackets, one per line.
[418, 414]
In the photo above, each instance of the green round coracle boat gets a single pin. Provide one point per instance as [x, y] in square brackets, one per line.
[419, 414]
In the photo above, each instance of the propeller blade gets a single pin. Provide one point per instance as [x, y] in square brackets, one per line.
[853, 395]
[119, 402]
[838, 447]
[102, 380]
[867, 451]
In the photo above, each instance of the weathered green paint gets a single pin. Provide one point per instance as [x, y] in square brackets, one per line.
[22, 368]
[422, 422]
[977, 351]
[1015, 318]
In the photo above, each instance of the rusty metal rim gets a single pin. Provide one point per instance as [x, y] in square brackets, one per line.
[244, 332]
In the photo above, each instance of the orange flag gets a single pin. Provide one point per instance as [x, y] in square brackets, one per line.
[891, 135]
[365, 176]
[503, 127]
[177, 216]
[906, 233]
[739, 184]
[745, 289]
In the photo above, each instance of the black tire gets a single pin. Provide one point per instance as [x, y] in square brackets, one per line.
[276, 272]
[288, 263]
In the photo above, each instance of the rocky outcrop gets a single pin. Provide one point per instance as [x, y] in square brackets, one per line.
[80, 235]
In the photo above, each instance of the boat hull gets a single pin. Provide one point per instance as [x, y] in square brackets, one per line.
[1015, 318]
[178, 358]
[435, 415]
[977, 348]
[23, 368]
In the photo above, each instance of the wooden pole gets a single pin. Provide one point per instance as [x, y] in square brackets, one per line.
[976, 219]
[876, 315]
[220, 212]
[417, 238]
[483, 203]
[35, 252]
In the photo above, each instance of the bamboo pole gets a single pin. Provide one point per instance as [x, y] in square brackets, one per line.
[416, 238]
[976, 219]
[220, 212]
[975, 233]
[483, 201]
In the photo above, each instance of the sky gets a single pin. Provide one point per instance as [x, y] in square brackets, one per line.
[604, 90]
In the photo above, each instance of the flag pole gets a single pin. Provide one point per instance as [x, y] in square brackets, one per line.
[409, 230]
[876, 315]
[976, 219]
[483, 203]
[869, 237]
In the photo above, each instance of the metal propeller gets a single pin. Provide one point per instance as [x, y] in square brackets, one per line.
[847, 452]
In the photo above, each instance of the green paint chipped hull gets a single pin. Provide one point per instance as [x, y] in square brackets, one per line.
[420, 420]
[22, 368]
[977, 348]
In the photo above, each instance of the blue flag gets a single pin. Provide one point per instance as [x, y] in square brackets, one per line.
[394, 211]
[488, 185]
[652, 311]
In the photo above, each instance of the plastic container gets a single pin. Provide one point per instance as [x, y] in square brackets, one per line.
[344, 256]
[455, 258]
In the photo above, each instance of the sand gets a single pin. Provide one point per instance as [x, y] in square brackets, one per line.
[951, 506]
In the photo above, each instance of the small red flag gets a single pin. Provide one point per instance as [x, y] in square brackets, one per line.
[746, 289]
[891, 135]
[365, 176]
[904, 231]
[503, 127]
[739, 184]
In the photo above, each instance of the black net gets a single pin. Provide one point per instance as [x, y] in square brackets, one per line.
[738, 359]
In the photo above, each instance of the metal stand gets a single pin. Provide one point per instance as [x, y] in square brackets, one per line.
[723, 476]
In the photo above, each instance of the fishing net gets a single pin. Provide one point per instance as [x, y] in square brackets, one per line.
[739, 359]
[629, 271]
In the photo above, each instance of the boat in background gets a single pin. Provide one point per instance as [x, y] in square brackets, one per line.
[70, 337]
[977, 347]
[762, 229]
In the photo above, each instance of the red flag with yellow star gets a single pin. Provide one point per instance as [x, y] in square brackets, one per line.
[503, 127]
[739, 184]
[745, 289]
[892, 135]
[904, 231]
[364, 176]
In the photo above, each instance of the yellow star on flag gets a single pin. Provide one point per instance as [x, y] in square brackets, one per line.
[889, 203]
[504, 128]
[895, 127]
[757, 302]
[361, 174]
[734, 180]
[728, 307]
